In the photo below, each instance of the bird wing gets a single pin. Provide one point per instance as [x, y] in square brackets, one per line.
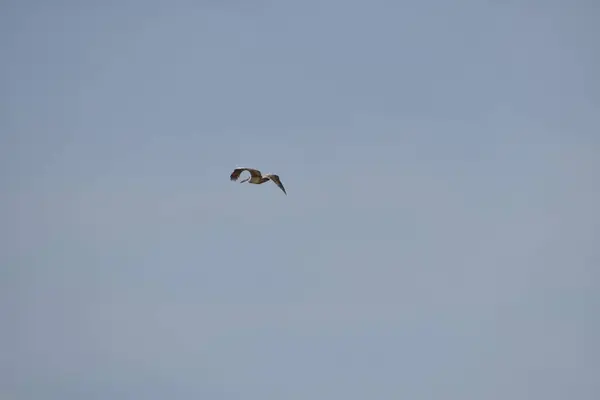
[275, 178]
[238, 171]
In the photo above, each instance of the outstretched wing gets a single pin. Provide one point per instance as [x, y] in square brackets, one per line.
[238, 171]
[275, 178]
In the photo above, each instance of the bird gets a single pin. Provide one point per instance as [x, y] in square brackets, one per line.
[256, 177]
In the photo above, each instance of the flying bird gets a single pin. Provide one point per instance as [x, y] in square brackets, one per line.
[256, 177]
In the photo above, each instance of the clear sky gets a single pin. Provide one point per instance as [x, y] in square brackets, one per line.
[439, 240]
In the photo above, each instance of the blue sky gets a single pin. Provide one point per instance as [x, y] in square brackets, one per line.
[439, 237]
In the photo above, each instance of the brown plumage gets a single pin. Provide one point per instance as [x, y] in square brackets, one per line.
[256, 177]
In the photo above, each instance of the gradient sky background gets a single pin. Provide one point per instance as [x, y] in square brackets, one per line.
[439, 240]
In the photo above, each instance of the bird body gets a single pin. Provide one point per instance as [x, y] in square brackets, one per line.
[256, 177]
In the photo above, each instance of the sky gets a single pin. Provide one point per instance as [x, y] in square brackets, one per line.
[439, 239]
